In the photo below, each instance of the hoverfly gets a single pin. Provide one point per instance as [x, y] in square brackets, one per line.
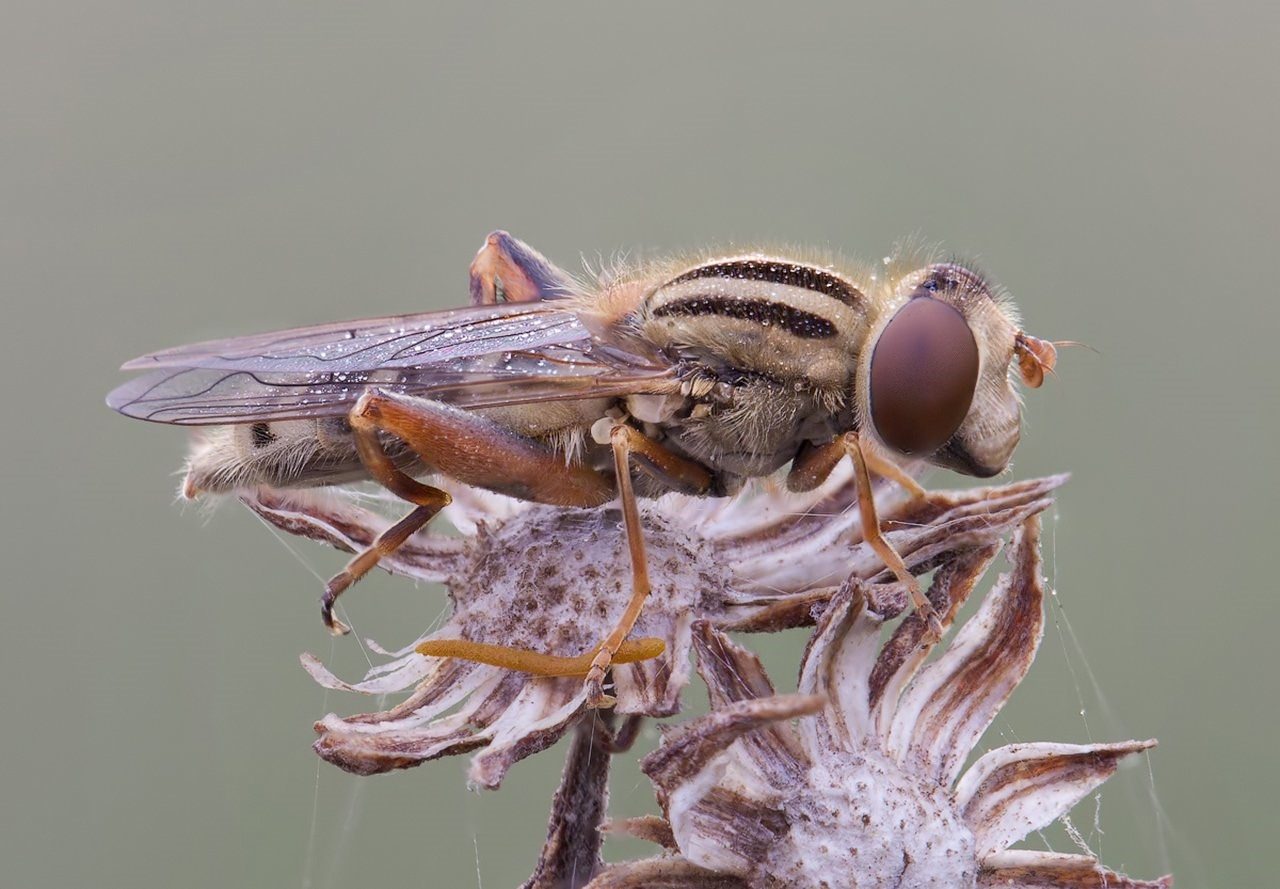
[681, 376]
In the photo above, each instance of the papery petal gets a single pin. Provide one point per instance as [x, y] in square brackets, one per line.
[368, 745]
[532, 722]
[902, 655]
[923, 532]
[653, 687]
[766, 514]
[808, 549]
[734, 674]
[945, 509]
[731, 672]
[951, 702]
[689, 749]
[933, 528]
[663, 873]
[650, 828]
[837, 666]
[726, 830]
[402, 652]
[1014, 790]
[410, 669]
[1049, 870]
[472, 507]
[335, 519]
[772, 615]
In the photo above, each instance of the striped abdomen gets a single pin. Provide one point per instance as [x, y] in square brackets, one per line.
[787, 320]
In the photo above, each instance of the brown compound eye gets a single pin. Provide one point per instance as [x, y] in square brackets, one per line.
[923, 374]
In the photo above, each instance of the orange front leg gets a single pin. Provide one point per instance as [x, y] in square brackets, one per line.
[886, 468]
[872, 534]
[814, 463]
[811, 468]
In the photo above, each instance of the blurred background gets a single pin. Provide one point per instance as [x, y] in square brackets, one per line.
[173, 172]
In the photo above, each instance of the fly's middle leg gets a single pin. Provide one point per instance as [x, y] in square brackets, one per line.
[477, 451]
[630, 444]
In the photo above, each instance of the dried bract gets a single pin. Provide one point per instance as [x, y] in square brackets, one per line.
[869, 790]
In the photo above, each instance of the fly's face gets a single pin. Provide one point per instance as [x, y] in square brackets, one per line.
[934, 377]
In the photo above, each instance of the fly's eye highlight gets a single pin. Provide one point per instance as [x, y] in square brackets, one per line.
[924, 370]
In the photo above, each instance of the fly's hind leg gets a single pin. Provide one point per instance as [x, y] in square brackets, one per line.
[462, 445]
[429, 501]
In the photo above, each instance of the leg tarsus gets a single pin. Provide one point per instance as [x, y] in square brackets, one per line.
[384, 545]
[535, 663]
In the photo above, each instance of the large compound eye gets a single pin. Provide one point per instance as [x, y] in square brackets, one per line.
[923, 374]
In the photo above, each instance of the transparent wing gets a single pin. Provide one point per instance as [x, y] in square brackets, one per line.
[482, 356]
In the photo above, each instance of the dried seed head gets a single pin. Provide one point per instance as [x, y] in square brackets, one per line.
[554, 580]
[867, 790]
[854, 780]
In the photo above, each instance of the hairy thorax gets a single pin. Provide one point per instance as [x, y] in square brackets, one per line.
[744, 431]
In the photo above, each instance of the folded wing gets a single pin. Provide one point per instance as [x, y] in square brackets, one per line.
[481, 356]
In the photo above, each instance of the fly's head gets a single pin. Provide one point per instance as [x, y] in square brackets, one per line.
[934, 381]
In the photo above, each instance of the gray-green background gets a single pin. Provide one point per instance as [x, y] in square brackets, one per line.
[175, 171]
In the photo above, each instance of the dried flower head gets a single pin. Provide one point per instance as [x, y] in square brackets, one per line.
[553, 579]
[865, 788]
